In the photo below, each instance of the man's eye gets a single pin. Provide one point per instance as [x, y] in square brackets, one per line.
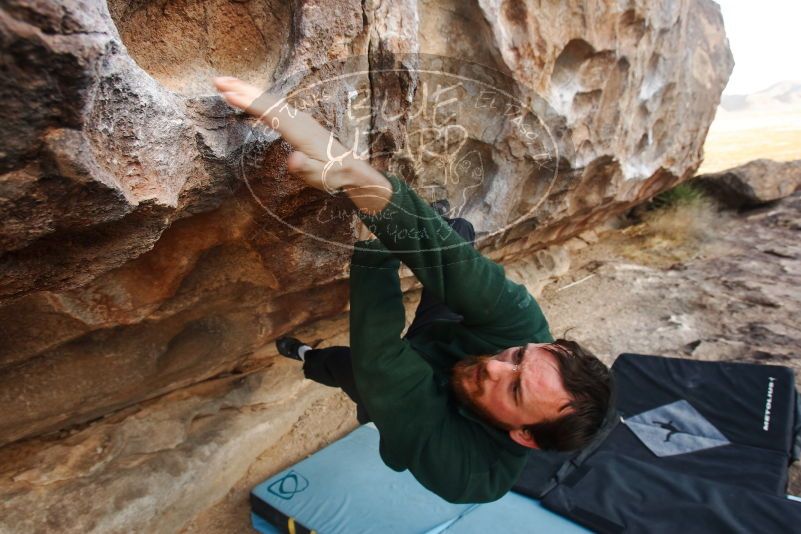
[516, 387]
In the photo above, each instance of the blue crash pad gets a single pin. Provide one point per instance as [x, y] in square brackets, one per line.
[346, 488]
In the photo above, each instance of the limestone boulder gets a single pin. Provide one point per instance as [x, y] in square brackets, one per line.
[151, 238]
[757, 182]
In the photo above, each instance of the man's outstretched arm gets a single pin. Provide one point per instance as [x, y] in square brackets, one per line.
[319, 158]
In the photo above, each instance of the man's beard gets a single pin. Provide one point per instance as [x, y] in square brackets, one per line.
[464, 372]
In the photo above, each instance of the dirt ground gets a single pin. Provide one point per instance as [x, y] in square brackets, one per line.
[688, 282]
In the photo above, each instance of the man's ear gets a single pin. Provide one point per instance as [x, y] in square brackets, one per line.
[524, 438]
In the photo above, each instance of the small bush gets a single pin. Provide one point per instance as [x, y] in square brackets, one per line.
[684, 194]
[675, 226]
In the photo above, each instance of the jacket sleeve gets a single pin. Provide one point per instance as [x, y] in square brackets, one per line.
[470, 284]
[385, 366]
[418, 431]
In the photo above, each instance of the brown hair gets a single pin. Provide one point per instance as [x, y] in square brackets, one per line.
[586, 380]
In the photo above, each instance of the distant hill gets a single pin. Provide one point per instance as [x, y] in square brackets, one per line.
[765, 124]
[781, 95]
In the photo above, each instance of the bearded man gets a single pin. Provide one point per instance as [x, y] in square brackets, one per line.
[477, 380]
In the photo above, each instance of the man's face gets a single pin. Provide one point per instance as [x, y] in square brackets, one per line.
[518, 386]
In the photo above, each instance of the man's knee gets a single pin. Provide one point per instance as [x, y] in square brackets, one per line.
[464, 228]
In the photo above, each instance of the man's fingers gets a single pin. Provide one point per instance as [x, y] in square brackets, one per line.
[235, 99]
[221, 82]
[240, 95]
[229, 83]
[243, 95]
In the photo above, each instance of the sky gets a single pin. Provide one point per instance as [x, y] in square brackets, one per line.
[765, 38]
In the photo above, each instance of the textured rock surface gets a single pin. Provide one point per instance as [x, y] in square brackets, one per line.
[155, 467]
[754, 183]
[138, 256]
[727, 291]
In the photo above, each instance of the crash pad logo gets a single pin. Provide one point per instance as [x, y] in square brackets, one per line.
[675, 428]
[288, 485]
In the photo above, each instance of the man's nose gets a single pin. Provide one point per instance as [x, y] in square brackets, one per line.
[497, 368]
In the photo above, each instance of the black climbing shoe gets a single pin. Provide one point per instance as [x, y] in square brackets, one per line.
[288, 346]
[441, 206]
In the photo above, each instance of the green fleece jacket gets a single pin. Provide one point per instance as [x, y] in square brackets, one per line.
[404, 383]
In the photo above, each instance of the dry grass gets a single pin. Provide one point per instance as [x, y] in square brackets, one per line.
[685, 226]
[699, 220]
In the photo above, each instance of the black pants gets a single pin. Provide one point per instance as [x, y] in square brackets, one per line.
[332, 366]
